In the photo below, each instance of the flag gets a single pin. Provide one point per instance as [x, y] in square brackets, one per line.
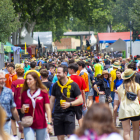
[39, 45]
[25, 48]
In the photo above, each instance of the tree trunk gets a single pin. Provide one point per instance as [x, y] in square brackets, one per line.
[9, 39]
[30, 27]
[14, 38]
[19, 39]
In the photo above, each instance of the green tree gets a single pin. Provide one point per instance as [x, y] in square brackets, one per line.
[135, 16]
[121, 14]
[8, 19]
[56, 15]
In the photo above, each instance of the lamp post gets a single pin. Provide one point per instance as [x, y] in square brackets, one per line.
[111, 51]
[130, 37]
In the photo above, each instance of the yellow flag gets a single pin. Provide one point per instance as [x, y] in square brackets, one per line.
[25, 48]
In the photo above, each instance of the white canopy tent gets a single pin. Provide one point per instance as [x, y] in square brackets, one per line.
[29, 40]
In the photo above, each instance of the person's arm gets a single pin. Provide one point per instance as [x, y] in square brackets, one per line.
[78, 101]
[16, 117]
[139, 94]
[97, 90]
[84, 97]
[48, 111]
[15, 114]
[52, 101]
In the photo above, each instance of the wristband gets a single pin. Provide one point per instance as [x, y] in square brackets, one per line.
[49, 123]
[19, 122]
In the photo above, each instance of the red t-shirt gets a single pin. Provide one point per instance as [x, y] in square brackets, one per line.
[79, 80]
[39, 121]
[16, 88]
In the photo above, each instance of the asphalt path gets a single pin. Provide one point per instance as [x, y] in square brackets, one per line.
[120, 129]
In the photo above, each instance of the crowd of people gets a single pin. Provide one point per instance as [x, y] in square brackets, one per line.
[45, 95]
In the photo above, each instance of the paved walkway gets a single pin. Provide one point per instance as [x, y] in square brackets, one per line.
[121, 130]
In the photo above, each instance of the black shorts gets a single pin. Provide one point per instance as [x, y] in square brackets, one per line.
[64, 123]
[136, 118]
[19, 113]
[78, 112]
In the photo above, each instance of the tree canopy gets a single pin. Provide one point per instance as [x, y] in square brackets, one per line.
[8, 20]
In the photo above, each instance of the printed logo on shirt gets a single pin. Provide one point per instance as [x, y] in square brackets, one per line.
[39, 98]
[19, 86]
[68, 91]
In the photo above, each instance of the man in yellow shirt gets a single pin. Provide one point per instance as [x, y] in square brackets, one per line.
[98, 68]
[116, 66]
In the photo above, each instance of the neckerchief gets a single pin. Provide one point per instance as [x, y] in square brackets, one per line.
[66, 85]
[91, 135]
[37, 93]
[108, 85]
[11, 76]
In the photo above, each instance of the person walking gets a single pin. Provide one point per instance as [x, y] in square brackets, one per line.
[26, 66]
[11, 76]
[63, 94]
[129, 108]
[44, 77]
[85, 75]
[35, 98]
[117, 83]
[8, 104]
[16, 89]
[72, 69]
[115, 66]
[97, 125]
[104, 84]
[98, 68]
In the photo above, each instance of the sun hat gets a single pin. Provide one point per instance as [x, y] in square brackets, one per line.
[31, 71]
[116, 65]
[128, 73]
[105, 72]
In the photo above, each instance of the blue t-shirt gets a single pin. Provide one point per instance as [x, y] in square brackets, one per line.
[118, 83]
[55, 79]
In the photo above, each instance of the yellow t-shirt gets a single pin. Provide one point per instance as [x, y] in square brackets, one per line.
[113, 76]
[98, 69]
[128, 108]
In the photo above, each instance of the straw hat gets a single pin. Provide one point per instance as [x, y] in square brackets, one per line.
[33, 59]
[116, 65]
[18, 66]
[128, 73]
[105, 72]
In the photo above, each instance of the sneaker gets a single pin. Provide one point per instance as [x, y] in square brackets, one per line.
[16, 138]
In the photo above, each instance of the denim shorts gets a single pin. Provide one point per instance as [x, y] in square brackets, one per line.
[29, 133]
[102, 98]
[90, 93]
[7, 127]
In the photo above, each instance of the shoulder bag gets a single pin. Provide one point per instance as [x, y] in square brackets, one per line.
[67, 99]
[27, 121]
[130, 95]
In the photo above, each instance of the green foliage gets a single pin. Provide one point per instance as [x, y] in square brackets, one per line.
[121, 14]
[76, 15]
[8, 20]
[135, 16]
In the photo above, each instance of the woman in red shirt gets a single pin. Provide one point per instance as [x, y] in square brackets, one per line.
[34, 95]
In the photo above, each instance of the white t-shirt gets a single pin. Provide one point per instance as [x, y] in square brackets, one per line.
[112, 136]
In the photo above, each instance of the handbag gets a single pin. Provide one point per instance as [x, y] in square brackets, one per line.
[130, 95]
[27, 121]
